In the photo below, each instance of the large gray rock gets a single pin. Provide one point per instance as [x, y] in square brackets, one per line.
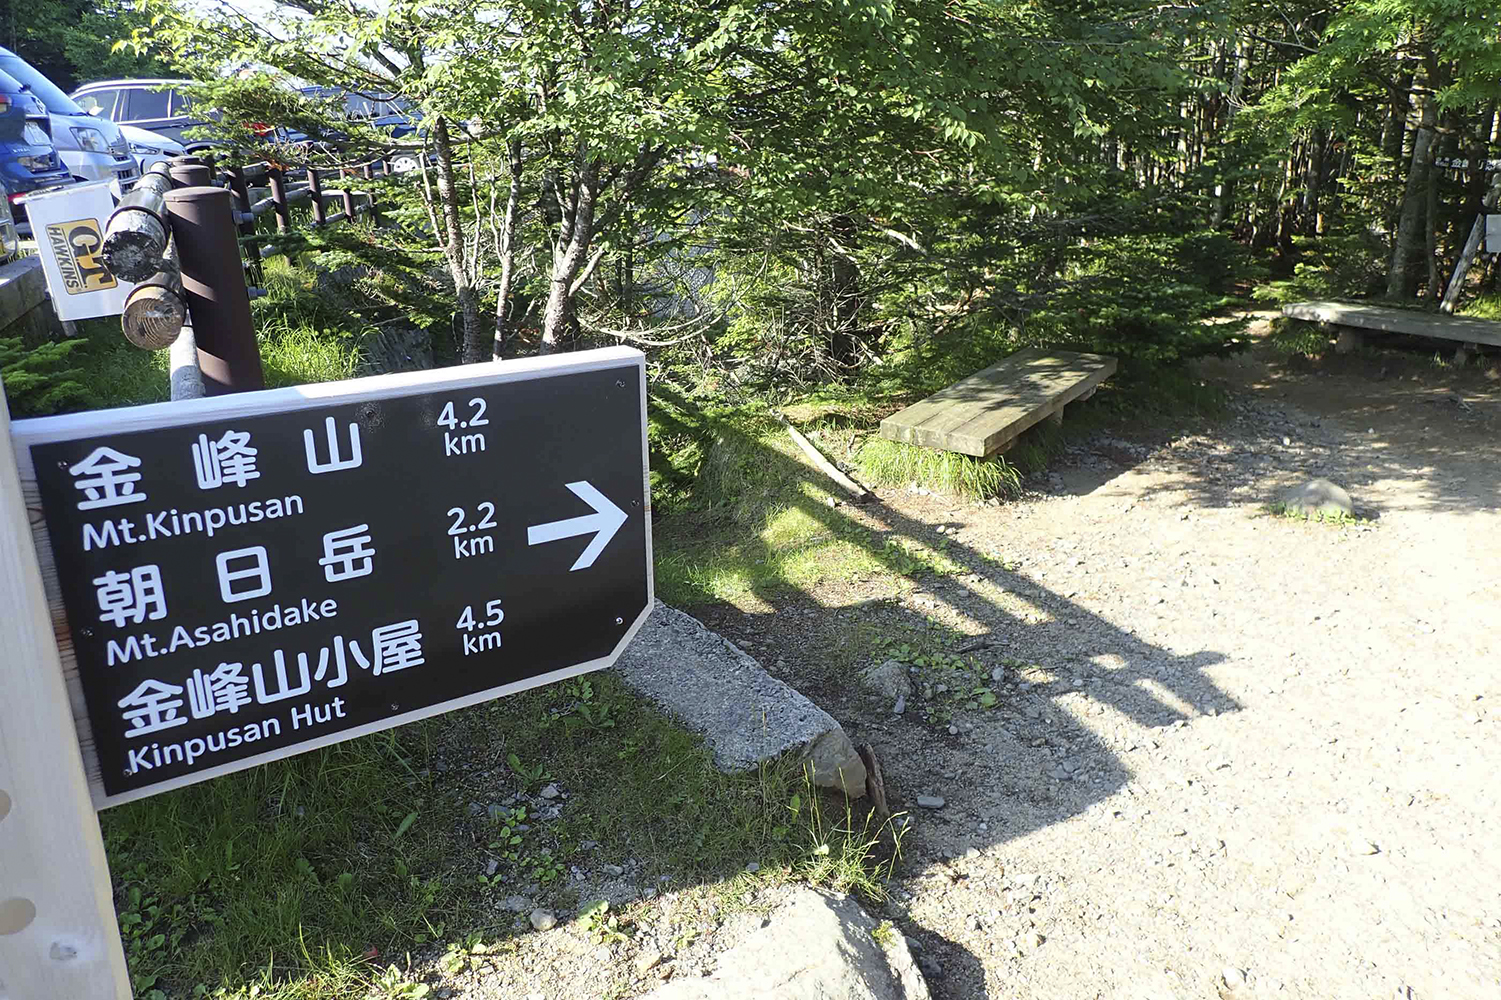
[814, 946]
[1318, 497]
[746, 716]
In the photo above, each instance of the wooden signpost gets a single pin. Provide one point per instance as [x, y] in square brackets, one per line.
[221, 582]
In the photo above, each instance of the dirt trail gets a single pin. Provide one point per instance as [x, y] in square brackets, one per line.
[1232, 755]
[1254, 757]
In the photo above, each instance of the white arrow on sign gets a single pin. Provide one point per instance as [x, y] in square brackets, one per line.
[604, 522]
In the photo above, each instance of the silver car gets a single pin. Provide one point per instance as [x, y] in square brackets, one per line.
[93, 149]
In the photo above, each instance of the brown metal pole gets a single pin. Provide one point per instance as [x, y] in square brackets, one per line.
[247, 223]
[315, 188]
[213, 283]
[190, 171]
[277, 181]
[348, 194]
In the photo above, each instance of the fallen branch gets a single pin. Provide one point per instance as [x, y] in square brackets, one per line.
[860, 493]
[875, 782]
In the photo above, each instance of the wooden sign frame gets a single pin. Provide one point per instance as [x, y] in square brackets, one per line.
[59, 936]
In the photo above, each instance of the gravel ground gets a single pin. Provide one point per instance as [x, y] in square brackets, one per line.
[1233, 754]
[1257, 756]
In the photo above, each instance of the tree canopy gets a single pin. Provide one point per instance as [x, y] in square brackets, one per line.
[879, 153]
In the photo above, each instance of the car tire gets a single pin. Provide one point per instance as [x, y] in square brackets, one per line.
[404, 163]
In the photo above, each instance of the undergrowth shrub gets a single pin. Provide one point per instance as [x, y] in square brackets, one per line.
[1290, 337]
[1145, 297]
[41, 380]
[1344, 264]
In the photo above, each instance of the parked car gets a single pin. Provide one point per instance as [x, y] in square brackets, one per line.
[390, 114]
[155, 105]
[10, 236]
[28, 160]
[150, 147]
[93, 149]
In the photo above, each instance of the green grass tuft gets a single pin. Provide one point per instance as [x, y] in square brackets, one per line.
[892, 463]
[301, 355]
[1485, 307]
[1279, 508]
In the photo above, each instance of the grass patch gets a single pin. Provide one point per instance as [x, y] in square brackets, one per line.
[1291, 512]
[1485, 307]
[893, 463]
[796, 549]
[115, 373]
[299, 354]
[312, 877]
[760, 523]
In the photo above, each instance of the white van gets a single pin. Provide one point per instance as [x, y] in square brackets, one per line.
[93, 149]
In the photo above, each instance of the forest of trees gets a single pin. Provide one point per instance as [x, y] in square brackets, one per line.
[1093, 172]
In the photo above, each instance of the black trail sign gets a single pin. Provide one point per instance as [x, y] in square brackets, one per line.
[251, 576]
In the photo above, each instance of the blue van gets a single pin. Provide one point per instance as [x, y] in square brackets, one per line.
[28, 160]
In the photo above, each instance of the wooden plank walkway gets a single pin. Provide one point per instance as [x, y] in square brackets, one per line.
[981, 415]
[1388, 320]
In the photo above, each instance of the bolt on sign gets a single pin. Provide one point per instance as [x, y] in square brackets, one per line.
[250, 576]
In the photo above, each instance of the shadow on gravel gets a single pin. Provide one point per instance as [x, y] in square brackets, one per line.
[1019, 766]
[1382, 418]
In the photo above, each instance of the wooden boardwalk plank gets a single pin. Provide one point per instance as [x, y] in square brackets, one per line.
[1388, 320]
[982, 414]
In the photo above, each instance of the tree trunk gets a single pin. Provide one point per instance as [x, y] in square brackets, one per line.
[844, 291]
[1223, 191]
[1408, 239]
[625, 285]
[1471, 248]
[559, 321]
[453, 247]
[1313, 180]
[504, 301]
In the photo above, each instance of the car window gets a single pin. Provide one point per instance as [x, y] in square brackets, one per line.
[181, 104]
[45, 90]
[100, 102]
[361, 106]
[141, 105]
[385, 109]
